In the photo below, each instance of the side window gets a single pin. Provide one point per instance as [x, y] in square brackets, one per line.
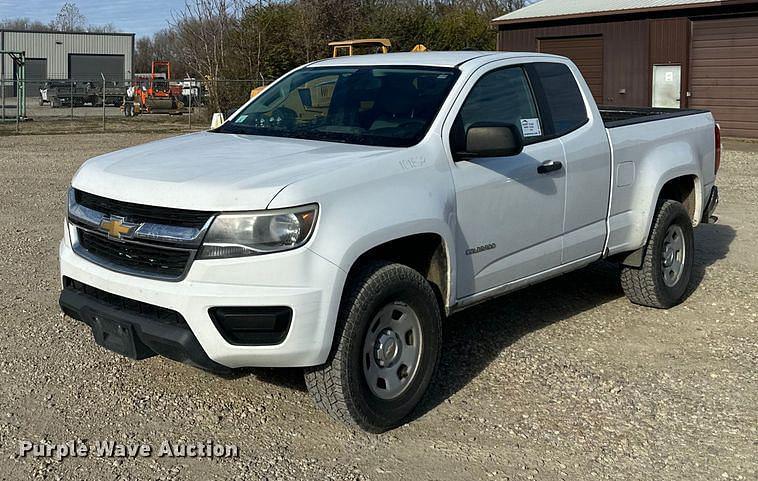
[563, 103]
[502, 96]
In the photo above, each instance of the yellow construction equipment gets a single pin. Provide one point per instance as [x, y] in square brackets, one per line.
[360, 46]
[256, 91]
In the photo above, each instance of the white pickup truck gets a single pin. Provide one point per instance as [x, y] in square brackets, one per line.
[335, 219]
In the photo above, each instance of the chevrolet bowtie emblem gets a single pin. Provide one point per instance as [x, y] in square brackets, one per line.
[116, 227]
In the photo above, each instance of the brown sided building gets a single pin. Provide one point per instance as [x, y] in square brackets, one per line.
[660, 53]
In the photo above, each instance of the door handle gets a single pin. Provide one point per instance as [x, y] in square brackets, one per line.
[550, 166]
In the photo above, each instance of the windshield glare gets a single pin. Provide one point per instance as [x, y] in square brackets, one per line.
[385, 106]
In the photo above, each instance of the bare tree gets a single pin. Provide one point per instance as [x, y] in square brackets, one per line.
[70, 19]
[227, 39]
[106, 28]
[163, 45]
[24, 24]
[496, 8]
[203, 29]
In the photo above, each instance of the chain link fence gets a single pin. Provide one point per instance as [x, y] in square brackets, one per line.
[55, 106]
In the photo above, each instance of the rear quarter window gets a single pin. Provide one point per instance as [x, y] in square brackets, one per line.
[561, 98]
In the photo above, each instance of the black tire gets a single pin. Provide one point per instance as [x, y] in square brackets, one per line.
[646, 285]
[340, 386]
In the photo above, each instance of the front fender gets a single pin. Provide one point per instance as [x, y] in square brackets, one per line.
[408, 192]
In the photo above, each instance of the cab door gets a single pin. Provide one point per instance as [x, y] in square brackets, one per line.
[569, 116]
[510, 210]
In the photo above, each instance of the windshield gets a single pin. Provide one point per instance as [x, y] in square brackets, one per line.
[385, 106]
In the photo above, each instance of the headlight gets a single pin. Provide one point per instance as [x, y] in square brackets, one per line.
[239, 235]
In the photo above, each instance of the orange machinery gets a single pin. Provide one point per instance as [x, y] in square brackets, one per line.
[156, 94]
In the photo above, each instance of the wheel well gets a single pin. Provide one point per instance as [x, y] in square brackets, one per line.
[681, 189]
[424, 253]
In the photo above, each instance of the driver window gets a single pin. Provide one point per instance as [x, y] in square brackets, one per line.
[501, 96]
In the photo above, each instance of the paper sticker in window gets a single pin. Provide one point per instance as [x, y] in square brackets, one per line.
[531, 127]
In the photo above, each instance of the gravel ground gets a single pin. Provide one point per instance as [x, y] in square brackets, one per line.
[562, 381]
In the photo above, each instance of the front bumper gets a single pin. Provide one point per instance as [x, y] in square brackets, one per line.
[300, 279]
[138, 332]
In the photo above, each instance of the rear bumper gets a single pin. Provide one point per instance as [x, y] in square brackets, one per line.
[710, 207]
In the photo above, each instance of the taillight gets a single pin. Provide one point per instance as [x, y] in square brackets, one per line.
[718, 149]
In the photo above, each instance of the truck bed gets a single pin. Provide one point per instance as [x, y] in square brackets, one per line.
[621, 116]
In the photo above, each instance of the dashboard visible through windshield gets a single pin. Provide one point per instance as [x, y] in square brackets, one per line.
[384, 106]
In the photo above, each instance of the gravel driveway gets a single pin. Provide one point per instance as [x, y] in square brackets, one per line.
[562, 381]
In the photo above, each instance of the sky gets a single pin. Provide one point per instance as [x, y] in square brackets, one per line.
[142, 17]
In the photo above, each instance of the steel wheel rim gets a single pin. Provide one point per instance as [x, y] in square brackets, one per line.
[673, 257]
[392, 350]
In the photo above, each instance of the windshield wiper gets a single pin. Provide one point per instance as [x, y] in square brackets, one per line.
[309, 134]
[232, 129]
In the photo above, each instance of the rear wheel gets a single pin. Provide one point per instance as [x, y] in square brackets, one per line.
[666, 269]
[386, 349]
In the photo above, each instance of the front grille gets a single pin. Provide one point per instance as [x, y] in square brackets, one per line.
[161, 314]
[139, 214]
[135, 258]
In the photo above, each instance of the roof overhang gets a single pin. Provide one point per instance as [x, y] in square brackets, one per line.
[626, 11]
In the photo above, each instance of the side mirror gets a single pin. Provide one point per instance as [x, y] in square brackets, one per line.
[217, 120]
[492, 139]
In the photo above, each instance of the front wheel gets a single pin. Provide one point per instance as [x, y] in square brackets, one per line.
[386, 348]
[666, 269]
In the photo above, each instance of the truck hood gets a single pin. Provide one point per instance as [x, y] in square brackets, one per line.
[216, 172]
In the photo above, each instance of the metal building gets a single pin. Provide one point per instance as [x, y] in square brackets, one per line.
[66, 55]
[662, 53]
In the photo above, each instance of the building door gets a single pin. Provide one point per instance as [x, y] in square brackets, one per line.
[89, 67]
[667, 86]
[35, 74]
[586, 53]
[724, 73]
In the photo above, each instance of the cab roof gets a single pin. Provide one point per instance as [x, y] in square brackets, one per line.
[420, 59]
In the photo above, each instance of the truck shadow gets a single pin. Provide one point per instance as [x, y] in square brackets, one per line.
[712, 243]
[475, 337]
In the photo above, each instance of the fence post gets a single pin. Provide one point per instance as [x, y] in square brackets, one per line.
[190, 104]
[22, 91]
[103, 76]
[2, 88]
[71, 99]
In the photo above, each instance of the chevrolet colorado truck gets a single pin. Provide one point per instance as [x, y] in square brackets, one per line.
[334, 220]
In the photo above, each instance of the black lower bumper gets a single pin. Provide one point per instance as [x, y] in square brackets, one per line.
[710, 207]
[134, 329]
